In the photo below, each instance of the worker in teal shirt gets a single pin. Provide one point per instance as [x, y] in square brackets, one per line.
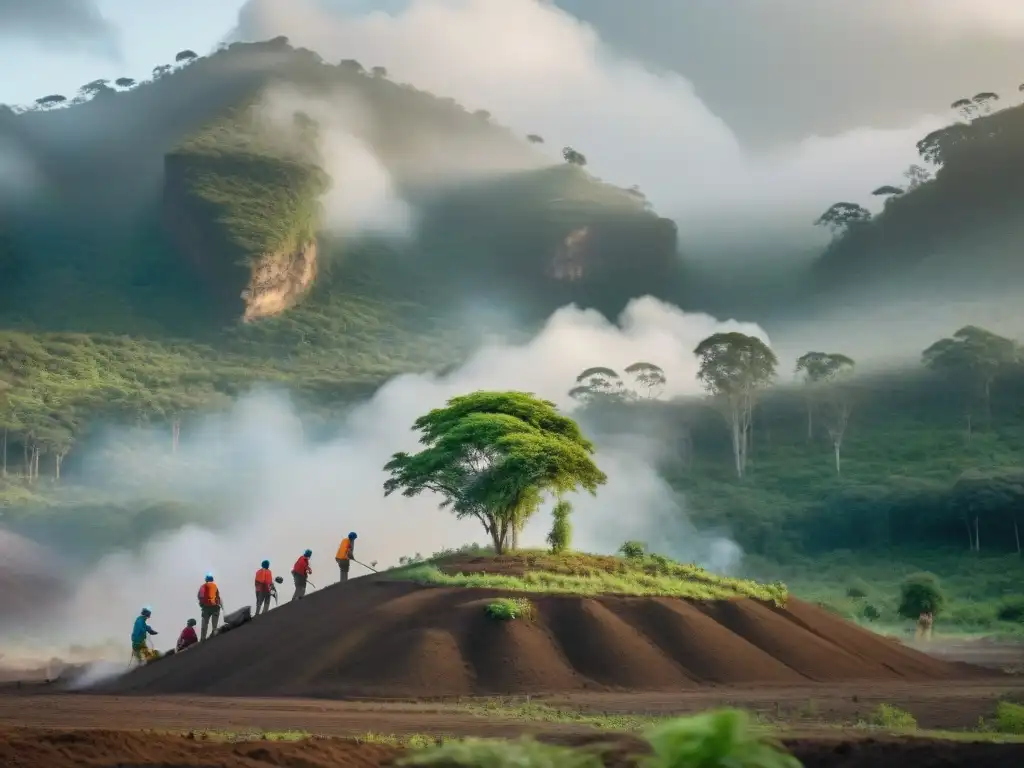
[140, 633]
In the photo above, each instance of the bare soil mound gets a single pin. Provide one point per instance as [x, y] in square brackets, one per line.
[373, 637]
[31, 748]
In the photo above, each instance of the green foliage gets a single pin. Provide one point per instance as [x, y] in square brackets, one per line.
[720, 738]
[1011, 609]
[858, 589]
[893, 718]
[1009, 718]
[633, 550]
[492, 456]
[499, 753]
[559, 538]
[921, 593]
[509, 608]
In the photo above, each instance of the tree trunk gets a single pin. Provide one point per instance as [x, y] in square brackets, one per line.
[970, 538]
[837, 447]
[3, 469]
[737, 451]
[58, 460]
[810, 422]
[977, 537]
[1016, 534]
[492, 528]
[27, 471]
[35, 463]
[175, 435]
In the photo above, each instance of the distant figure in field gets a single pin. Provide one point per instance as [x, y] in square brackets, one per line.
[301, 572]
[346, 550]
[924, 626]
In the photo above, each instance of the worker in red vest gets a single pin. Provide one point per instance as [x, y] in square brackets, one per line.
[346, 551]
[264, 587]
[300, 574]
[209, 604]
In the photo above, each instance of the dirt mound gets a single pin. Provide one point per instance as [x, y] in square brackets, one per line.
[31, 748]
[378, 638]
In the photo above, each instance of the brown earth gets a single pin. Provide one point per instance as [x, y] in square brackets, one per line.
[25, 748]
[378, 638]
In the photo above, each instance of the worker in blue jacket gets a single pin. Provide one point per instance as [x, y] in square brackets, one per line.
[141, 631]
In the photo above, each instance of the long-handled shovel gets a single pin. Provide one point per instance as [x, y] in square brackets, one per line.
[365, 565]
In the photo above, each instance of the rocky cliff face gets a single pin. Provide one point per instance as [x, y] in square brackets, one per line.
[247, 226]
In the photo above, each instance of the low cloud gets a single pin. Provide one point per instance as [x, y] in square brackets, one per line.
[76, 23]
[634, 125]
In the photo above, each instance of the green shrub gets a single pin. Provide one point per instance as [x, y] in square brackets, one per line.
[499, 753]
[724, 737]
[870, 613]
[1009, 718]
[633, 550]
[509, 608]
[888, 716]
[858, 589]
[920, 593]
[560, 536]
[1011, 609]
[971, 615]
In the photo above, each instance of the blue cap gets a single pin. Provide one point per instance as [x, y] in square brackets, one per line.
[147, 611]
[209, 577]
[265, 564]
[352, 535]
[308, 553]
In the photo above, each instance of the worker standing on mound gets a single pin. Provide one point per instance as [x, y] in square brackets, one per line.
[264, 587]
[346, 551]
[187, 636]
[300, 574]
[140, 633]
[210, 604]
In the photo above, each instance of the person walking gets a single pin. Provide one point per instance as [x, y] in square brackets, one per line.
[265, 588]
[300, 574]
[346, 551]
[210, 604]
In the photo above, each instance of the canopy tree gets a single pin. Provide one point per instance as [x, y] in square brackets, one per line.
[598, 383]
[493, 456]
[573, 157]
[841, 216]
[734, 367]
[973, 358]
[826, 377]
[649, 378]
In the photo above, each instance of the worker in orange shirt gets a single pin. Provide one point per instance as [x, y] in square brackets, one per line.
[300, 574]
[209, 604]
[346, 551]
[265, 588]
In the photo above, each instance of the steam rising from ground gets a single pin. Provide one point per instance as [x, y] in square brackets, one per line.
[362, 198]
[281, 492]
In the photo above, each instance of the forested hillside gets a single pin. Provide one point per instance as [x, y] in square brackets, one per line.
[956, 216]
[171, 245]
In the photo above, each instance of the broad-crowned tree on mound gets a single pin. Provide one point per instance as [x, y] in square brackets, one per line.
[985, 102]
[493, 456]
[972, 358]
[826, 382]
[916, 175]
[572, 157]
[734, 368]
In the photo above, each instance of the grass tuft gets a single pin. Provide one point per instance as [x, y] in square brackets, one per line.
[509, 608]
[892, 718]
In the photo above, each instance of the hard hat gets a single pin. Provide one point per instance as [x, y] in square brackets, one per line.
[308, 553]
[352, 535]
[209, 577]
[265, 564]
[191, 622]
[147, 611]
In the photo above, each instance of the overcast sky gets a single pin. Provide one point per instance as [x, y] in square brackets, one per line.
[775, 106]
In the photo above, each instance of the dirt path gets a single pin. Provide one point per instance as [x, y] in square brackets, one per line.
[948, 705]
